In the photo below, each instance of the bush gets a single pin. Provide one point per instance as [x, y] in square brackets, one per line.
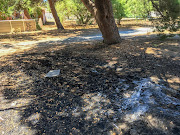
[169, 12]
[74, 8]
[38, 27]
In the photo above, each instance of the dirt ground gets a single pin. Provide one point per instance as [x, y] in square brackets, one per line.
[128, 88]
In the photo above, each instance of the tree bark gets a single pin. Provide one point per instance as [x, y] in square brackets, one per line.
[56, 18]
[26, 14]
[103, 13]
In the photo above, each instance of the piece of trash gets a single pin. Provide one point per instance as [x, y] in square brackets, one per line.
[1, 118]
[116, 126]
[14, 103]
[119, 69]
[94, 71]
[53, 73]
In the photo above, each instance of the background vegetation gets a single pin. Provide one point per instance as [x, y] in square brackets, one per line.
[167, 11]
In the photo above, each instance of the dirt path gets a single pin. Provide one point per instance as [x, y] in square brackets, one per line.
[128, 88]
[12, 45]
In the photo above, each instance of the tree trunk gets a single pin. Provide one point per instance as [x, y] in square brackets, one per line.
[26, 14]
[103, 13]
[119, 21]
[56, 18]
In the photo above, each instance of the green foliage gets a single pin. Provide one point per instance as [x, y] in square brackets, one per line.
[6, 8]
[22, 4]
[81, 12]
[73, 8]
[119, 9]
[131, 8]
[138, 8]
[38, 26]
[26, 4]
[169, 11]
[35, 11]
[64, 9]
[33, 6]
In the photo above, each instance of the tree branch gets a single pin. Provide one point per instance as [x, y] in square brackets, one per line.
[90, 6]
[156, 7]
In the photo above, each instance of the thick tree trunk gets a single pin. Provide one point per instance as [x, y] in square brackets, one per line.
[56, 18]
[106, 22]
[103, 13]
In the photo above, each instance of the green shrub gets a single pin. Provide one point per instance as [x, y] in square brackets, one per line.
[169, 16]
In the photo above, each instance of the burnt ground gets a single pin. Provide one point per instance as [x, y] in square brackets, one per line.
[96, 91]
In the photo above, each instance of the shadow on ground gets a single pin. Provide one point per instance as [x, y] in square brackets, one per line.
[82, 99]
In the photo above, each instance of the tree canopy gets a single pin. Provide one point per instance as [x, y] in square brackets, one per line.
[6, 8]
[74, 8]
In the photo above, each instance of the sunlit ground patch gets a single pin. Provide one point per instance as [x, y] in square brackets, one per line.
[96, 106]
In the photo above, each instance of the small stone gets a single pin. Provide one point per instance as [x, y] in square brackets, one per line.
[119, 69]
[117, 90]
[94, 71]
[13, 103]
[53, 73]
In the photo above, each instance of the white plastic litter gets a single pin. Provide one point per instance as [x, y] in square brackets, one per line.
[53, 73]
[145, 95]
